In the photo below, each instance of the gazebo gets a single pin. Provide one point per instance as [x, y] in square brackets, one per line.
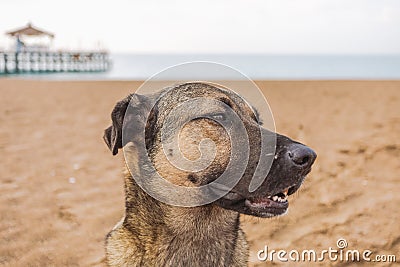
[33, 54]
[28, 30]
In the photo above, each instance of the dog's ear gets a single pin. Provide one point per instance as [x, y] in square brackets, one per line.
[113, 134]
[127, 127]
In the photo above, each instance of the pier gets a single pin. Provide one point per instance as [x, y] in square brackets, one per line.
[42, 61]
[29, 57]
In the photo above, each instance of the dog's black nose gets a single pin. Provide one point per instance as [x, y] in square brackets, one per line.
[301, 155]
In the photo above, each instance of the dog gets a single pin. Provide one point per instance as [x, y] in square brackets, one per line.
[154, 233]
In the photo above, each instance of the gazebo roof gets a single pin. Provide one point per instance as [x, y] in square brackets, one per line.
[29, 30]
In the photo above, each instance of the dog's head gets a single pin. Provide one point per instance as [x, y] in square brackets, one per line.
[164, 118]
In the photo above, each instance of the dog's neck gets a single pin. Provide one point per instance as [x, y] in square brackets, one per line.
[179, 231]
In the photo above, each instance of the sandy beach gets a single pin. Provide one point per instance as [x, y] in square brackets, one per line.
[61, 190]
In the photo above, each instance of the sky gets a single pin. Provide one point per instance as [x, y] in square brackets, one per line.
[212, 26]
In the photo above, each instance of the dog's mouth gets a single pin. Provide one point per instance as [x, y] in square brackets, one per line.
[260, 206]
[276, 204]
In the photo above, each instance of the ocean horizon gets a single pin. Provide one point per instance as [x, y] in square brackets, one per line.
[254, 66]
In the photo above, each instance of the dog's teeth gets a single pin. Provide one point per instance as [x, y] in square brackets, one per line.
[286, 192]
[275, 198]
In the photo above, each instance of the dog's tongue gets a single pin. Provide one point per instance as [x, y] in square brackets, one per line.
[261, 202]
[266, 202]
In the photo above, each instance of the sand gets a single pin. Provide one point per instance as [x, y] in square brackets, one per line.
[61, 190]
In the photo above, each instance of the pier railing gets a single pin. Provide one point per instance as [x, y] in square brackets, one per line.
[37, 62]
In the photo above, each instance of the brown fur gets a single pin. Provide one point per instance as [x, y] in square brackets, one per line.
[156, 234]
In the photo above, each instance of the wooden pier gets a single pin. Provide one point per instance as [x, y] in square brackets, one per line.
[48, 62]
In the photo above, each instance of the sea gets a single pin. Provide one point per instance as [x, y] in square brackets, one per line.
[253, 66]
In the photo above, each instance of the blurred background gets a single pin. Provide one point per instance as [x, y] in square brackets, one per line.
[270, 39]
